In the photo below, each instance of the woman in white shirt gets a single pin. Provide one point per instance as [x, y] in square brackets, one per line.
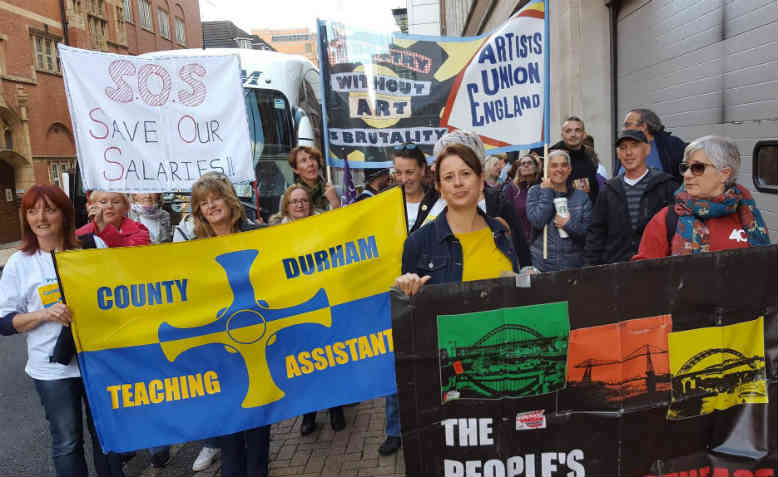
[31, 303]
[410, 168]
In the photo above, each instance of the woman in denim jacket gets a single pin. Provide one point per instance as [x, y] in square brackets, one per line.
[563, 251]
[462, 243]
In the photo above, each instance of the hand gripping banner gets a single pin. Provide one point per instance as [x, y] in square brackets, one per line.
[179, 342]
[381, 91]
[669, 368]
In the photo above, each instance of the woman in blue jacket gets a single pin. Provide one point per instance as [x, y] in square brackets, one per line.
[565, 250]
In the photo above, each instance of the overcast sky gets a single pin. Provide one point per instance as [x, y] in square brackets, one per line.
[376, 15]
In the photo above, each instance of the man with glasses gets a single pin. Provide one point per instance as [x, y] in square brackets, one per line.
[627, 203]
[666, 150]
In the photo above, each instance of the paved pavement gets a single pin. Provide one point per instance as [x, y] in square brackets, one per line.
[352, 451]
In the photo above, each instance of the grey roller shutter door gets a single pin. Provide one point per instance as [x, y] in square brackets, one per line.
[705, 67]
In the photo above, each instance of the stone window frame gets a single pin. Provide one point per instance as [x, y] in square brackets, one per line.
[145, 17]
[44, 37]
[127, 6]
[121, 25]
[163, 23]
[180, 30]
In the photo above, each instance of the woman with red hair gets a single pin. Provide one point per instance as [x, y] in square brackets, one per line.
[31, 303]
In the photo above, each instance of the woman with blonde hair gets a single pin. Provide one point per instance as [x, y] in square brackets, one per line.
[295, 204]
[492, 169]
[216, 210]
[108, 220]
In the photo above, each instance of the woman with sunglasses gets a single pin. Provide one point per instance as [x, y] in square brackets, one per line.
[31, 303]
[711, 211]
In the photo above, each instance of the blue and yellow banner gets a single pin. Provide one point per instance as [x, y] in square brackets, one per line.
[179, 342]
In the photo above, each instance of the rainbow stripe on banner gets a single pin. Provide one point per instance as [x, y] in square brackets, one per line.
[180, 342]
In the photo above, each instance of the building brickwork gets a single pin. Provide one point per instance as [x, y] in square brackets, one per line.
[36, 138]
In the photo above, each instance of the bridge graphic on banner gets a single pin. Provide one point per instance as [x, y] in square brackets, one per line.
[511, 360]
[248, 326]
[717, 378]
[650, 377]
[733, 373]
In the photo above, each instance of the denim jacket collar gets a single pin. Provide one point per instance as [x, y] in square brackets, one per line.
[443, 231]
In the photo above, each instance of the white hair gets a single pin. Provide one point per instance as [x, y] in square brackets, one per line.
[721, 151]
[559, 152]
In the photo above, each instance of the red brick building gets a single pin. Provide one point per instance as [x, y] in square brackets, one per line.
[36, 139]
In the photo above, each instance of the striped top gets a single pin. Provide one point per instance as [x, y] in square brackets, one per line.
[634, 193]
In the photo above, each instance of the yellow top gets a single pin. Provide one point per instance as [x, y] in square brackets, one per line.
[481, 258]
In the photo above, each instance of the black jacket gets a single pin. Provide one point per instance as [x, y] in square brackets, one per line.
[367, 193]
[611, 238]
[497, 206]
[670, 149]
[430, 197]
[582, 167]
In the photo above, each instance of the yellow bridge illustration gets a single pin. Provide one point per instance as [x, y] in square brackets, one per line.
[248, 326]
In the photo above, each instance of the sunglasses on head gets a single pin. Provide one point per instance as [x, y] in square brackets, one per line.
[698, 168]
[408, 146]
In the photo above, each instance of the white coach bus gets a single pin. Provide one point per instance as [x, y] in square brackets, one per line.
[283, 102]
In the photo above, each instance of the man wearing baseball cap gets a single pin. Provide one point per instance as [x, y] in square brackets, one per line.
[627, 202]
[376, 180]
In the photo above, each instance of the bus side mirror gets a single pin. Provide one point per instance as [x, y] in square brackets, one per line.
[765, 166]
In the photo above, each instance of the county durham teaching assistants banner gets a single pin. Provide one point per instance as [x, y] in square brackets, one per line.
[384, 90]
[156, 125]
[179, 342]
[666, 367]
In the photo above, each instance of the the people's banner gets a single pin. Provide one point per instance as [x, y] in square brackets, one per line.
[671, 369]
[382, 90]
[156, 125]
[184, 341]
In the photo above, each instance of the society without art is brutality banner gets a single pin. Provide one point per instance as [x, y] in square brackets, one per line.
[156, 125]
[180, 342]
[385, 90]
